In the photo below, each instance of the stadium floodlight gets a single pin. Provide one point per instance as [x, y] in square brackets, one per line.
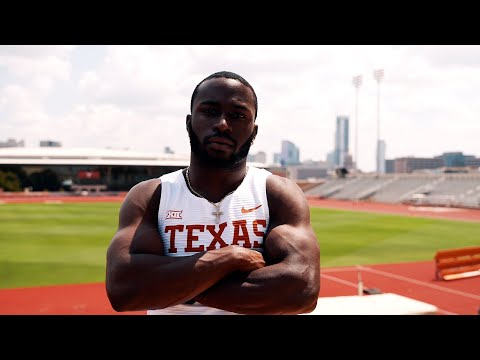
[357, 81]
[378, 75]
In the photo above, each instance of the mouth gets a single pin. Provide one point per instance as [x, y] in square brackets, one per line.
[220, 141]
[220, 145]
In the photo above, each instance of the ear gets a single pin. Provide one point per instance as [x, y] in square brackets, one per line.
[188, 120]
[255, 132]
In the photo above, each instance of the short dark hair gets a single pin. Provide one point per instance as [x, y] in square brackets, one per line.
[226, 75]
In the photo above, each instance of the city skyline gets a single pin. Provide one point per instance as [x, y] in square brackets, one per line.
[137, 97]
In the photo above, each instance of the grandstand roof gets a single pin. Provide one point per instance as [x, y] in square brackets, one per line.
[89, 156]
[86, 156]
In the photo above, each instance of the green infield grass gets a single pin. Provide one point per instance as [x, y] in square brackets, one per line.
[52, 244]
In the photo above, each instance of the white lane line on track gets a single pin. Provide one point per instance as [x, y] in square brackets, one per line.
[341, 281]
[421, 283]
[348, 283]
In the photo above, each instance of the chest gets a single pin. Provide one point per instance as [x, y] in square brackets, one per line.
[194, 224]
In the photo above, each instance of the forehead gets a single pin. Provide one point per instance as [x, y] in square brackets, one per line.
[225, 90]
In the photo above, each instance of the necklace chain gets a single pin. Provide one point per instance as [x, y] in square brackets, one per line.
[217, 212]
[217, 205]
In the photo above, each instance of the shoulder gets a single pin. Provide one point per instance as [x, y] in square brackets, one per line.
[143, 194]
[285, 197]
[172, 177]
[145, 188]
[141, 202]
[280, 187]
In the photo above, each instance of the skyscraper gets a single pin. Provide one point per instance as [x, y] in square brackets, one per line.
[290, 154]
[381, 149]
[378, 75]
[341, 140]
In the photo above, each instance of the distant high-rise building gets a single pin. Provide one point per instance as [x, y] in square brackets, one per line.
[290, 154]
[50, 143]
[381, 148]
[12, 143]
[341, 140]
[276, 158]
[331, 160]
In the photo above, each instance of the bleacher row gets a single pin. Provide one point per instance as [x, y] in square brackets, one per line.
[454, 190]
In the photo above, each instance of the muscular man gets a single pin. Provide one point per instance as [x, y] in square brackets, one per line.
[218, 237]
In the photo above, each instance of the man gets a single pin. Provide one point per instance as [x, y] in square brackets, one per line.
[218, 237]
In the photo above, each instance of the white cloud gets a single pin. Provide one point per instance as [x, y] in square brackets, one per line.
[117, 127]
[42, 64]
[138, 75]
[32, 73]
[138, 96]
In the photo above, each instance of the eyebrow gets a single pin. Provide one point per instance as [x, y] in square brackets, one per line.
[216, 103]
[208, 102]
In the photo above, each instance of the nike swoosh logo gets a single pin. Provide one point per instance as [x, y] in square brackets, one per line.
[244, 211]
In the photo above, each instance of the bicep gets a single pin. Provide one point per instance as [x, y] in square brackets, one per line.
[137, 231]
[288, 243]
[290, 236]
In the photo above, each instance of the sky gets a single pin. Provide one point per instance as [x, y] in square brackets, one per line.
[137, 97]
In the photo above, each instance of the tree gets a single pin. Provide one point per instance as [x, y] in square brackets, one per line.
[45, 180]
[9, 181]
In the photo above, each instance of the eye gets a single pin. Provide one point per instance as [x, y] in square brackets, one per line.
[209, 111]
[237, 115]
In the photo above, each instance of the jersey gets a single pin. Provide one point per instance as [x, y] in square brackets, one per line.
[189, 224]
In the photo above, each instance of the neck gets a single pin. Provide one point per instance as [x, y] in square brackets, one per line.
[214, 184]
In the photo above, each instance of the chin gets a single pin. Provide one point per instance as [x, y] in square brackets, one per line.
[220, 155]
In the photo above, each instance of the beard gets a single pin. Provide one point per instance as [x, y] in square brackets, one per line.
[206, 159]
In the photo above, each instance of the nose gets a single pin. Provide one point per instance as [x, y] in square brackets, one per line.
[222, 124]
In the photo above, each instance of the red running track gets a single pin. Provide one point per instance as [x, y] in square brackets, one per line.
[399, 209]
[414, 280]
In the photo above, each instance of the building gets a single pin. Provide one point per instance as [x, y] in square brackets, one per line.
[410, 164]
[12, 143]
[276, 158]
[290, 154]
[448, 160]
[381, 149]
[348, 161]
[50, 143]
[307, 172]
[58, 168]
[341, 140]
[168, 150]
[331, 160]
[259, 157]
[77, 169]
[452, 159]
[472, 161]
[389, 166]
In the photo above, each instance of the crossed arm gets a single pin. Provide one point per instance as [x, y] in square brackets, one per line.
[139, 276]
[290, 281]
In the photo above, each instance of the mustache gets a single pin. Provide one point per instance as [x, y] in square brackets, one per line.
[218, 135]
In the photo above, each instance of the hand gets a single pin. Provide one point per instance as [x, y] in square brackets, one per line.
[247, 259]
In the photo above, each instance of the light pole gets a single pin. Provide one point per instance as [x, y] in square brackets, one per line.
[357, 81]
[378, 75]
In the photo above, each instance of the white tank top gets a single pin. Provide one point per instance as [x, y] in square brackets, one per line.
[188, 224]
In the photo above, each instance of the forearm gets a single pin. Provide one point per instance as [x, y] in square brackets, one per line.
[274, 289]
[144, 281]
